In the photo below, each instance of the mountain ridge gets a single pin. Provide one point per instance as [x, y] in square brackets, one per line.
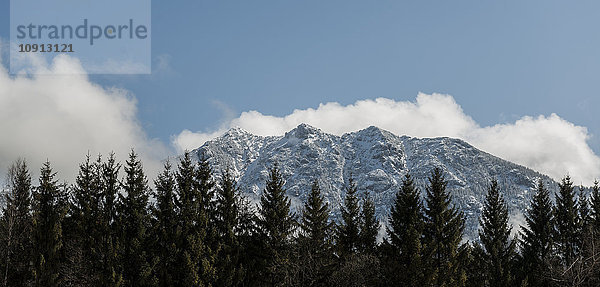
[377, 159]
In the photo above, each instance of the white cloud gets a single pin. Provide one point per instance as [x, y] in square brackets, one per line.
[63, 117]
[549, 144]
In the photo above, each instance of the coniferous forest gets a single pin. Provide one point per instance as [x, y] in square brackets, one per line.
[109, 228]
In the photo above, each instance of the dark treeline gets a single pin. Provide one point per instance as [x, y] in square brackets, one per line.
[196, 229]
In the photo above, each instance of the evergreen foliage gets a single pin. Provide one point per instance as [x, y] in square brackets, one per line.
[135, 224]
[229, 267]
[566, 222]
[537, 237]
[83, 228]
[595, 207]
[164, 217]
[495, 239]
[369, 226]
[276, 224]
[205, 220]
[190, 237]
[405, 232]
[315, 223]
[16, 227]
[49, 207]
[106, 230]
[348, 239]
[584, 212]
[111, 268]
[313, 254]
[444, 225]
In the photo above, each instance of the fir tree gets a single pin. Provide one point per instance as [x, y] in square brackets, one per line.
[49, 209]
[537, 238]
[443, 232]
[135, 222]
[348, 239]
[566, 222]
[369, 226]
[405, 231]
[495, 239]
[15, 227]
[165, 227]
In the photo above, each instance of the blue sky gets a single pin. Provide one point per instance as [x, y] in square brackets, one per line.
[500, 60]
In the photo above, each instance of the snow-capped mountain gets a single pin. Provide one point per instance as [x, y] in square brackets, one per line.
[377, 160]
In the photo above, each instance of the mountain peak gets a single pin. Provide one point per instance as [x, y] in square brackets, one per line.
[303, 131]
[235, 131]
[373, 132]
[372, 129]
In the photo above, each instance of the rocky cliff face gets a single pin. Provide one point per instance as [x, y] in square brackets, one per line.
[377, 160]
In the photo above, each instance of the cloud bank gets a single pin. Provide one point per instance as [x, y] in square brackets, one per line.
[63, 117]
[548, 144]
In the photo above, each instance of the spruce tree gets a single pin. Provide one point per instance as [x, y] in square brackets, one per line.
[49, 209]
[443, 232]
[314, 244]
[584, 213]
[135, 222]
[195, 258]
[206, 220]
[16, 227]
[495, 238]
[190, 245]
[111, 267]
[277, 224]
[475, 267]
[595, 207]
[348, 239]
[405, 232]
[251, 245]
[537, 237]
[586, 244]
[165, 227]
[82, 228]
[566, 222]
[315, 223]
[369, 226]
[229, 271]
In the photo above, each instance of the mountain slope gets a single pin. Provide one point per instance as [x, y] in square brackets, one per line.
[376, 159]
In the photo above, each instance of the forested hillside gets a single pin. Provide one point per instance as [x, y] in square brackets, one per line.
[195, 228]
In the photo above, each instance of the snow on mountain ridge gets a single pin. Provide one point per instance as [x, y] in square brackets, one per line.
[376, 159]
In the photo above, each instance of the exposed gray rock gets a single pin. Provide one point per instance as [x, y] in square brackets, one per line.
[377, 160]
